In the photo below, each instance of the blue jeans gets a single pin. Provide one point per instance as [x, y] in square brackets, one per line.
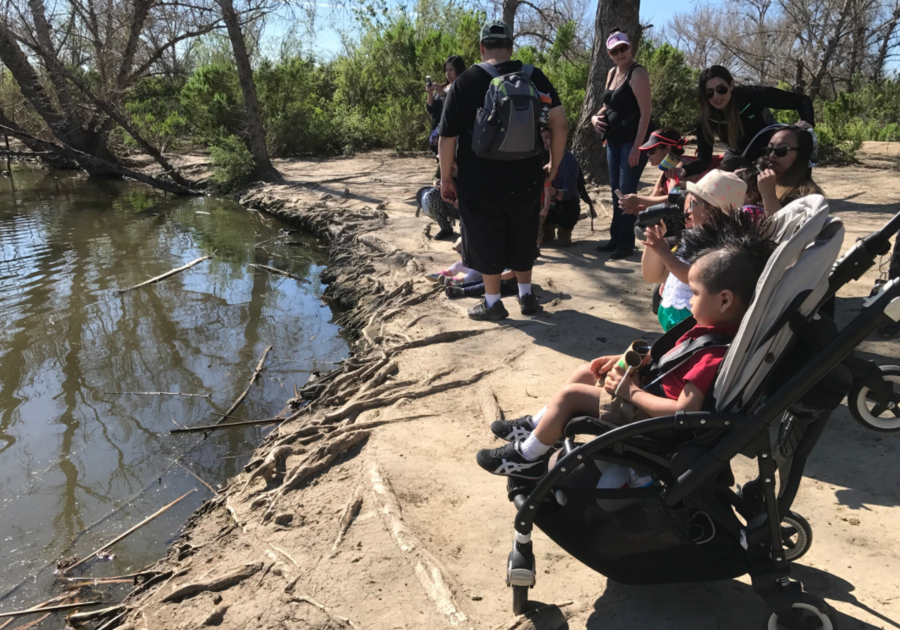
[625, 179]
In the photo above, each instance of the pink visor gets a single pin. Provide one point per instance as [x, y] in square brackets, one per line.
[617, 38]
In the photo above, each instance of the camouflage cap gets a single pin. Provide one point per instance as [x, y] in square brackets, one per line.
[496, 30]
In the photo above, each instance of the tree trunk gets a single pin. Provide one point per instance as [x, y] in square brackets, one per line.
[586, 144]
[264, 168]
[509, 13]
[830, 48]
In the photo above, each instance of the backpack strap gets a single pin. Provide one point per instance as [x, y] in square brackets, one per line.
[527, 69]
[489, 68]
[681, 353]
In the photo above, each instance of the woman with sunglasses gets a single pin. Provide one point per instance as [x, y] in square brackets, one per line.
[785, 175]
[736, 114]
[624, 120]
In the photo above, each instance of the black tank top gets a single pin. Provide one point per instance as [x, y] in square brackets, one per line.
[622, 111]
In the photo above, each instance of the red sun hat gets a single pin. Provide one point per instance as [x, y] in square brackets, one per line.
[656, 139]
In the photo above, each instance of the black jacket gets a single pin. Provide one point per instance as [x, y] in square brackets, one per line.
[754, 102]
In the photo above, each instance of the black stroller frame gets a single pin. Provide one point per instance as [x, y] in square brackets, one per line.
[707, 475]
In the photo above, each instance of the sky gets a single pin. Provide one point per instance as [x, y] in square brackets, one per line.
[656, 12]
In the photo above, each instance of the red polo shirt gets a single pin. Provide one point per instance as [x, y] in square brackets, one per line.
[701, 368]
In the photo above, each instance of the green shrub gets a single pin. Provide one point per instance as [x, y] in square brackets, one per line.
[232, 164]
[673, 85]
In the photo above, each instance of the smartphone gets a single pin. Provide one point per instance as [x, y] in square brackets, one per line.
[428, 81]
[618, 193]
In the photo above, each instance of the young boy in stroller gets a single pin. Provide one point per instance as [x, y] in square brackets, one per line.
[722, 279]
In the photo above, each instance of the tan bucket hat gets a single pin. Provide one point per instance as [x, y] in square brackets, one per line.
[720, 189]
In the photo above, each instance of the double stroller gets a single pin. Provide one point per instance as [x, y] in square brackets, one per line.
[788, 364]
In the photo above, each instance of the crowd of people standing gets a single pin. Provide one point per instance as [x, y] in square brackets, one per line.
[520, 189]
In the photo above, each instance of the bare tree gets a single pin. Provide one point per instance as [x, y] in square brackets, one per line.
[586, 144]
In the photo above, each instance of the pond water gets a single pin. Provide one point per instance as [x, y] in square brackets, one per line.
[80, 464]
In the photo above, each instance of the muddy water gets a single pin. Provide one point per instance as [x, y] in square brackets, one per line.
[80, 464]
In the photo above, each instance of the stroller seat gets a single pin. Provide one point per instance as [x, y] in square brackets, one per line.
[690, 525]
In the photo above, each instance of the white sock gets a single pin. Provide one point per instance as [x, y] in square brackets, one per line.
[491, 298]
[531, 448]
[537, 417]
[524, 289]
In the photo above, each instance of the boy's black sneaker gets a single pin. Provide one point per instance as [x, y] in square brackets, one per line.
[528, 304]
[481, 312]
[512, 430]
[453, 291]
[509, 462]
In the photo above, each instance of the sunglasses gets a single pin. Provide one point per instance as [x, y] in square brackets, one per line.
[780, 151]
[720, 89]
[618, 50]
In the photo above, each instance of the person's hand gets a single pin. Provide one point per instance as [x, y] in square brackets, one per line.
[626, 383]
[803, 124]
[448, 190]
[675, 173]
[602, 365]
[634, 156]
[429, 89]
[630, 204]
[655, 237]
[599, 123]
[766, 182]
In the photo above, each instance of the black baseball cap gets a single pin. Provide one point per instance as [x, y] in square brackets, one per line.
[495, 30]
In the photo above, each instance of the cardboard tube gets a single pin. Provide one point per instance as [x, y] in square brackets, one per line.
[635, 355]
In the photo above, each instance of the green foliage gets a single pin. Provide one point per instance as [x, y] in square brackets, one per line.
[673, 85]
[232, 163]
[153, 107]
[211, 99]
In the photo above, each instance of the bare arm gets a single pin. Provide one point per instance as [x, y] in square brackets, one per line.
[556, 123]
[652, 267]
[446, 156]
[691, 399]
[640, 85]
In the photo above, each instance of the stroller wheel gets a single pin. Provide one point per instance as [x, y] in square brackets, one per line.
[520, 599]
[870, 414]
[796, 535]
[818, 617]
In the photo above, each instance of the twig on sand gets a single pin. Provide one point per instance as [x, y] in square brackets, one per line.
[227, 425]
[286, 554]
[158, 394]
[87, 616]
[130, 531]
[280, 272]
[168, 274]
[32, 611]
[351, 510]
[326, 610]
[213, 584]
[237, 402]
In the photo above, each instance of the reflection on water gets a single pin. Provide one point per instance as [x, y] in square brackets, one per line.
[70, 452]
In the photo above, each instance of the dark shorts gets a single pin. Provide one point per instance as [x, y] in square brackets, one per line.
[499, 231]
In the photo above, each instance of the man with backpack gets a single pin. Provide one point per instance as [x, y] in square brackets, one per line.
[491, 124]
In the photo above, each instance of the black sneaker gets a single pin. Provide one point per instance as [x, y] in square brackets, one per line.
[528, 304]
[481, 312]
[509, 462]
[445, 234]
[512, 430]
[889, 330]
[606, 246]
[453, 291]
[621, 253]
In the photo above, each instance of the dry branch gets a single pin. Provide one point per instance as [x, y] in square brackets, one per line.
[240, 399]
[351, 510]
[159, 394]
[286, 555]
[87, 616]
[213, 584]
[213, 427]
[279, 272]
[168, 274]
[130, 531]
[326, 610]
[32, 611]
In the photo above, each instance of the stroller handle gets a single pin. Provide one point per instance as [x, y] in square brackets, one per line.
[861, 256]
[871, 317]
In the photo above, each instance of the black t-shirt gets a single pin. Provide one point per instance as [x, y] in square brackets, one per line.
[478, 176]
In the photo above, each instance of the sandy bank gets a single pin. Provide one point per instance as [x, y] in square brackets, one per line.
[389, 523]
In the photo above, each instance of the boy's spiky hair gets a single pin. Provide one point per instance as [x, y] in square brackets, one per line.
[735, 247]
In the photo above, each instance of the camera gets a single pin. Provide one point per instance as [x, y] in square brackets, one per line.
[671, 211]
[427, 81]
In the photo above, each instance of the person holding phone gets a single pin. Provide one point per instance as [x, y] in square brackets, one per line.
[435, 93]
[737, 115]
[624, 121]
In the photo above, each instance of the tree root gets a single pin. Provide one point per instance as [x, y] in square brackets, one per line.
[351, 510]
[309, 600]
[220, 583]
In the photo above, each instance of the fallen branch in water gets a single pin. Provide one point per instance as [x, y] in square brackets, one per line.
[159, 394]
[87, 616]
[168, 274]
[193, 474]
[253, 378]
[129, 532]
[326, 610]
[213, 427]
[213, 584]
[279, 272]
[32, 611]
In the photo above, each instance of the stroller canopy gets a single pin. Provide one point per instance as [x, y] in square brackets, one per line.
[794, 282]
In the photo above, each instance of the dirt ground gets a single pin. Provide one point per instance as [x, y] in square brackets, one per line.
[429, 544]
